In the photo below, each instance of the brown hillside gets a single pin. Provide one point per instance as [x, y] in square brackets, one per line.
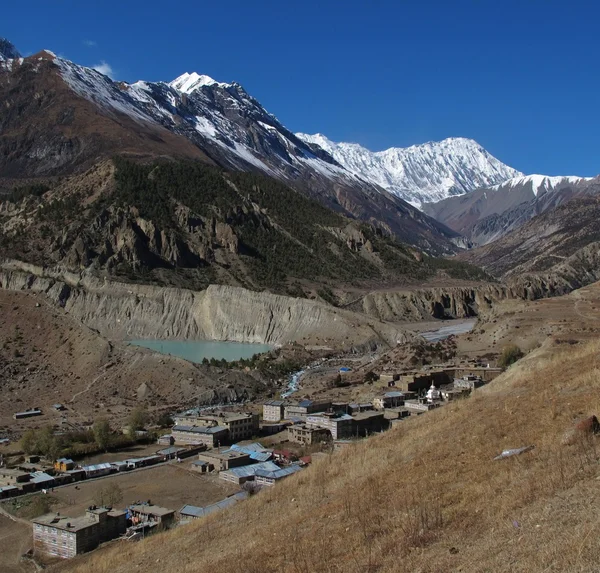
[47, 129]
[424, 497]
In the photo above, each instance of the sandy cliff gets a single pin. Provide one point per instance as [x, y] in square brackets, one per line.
[128, 311]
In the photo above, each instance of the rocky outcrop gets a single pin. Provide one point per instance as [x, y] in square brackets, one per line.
[126, 311]
[423, 304]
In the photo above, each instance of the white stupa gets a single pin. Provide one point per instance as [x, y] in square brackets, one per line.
[433, 394]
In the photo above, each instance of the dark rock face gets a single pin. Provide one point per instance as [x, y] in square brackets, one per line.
[7, 50]
[486, 215]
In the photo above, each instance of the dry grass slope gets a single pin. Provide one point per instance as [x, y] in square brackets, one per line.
[424, 497]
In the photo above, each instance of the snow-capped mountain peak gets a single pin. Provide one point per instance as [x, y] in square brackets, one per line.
[188, 83]
[8, 50]
[421, 173]
[539, 184]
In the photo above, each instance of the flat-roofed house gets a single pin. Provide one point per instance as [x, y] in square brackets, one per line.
[339, 425]
[273, 410]
[307, 435]
[388, 400]
[305, 407]
[65, 537]
[223, 461]
[210, 436]
[147, 513]
[241, 425]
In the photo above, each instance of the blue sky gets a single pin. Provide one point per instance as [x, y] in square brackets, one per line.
[521, 77]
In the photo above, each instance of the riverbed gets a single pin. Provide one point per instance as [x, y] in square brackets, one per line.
[448, 330]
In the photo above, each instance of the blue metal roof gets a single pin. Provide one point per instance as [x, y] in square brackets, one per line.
[249, 471]
[40, 477]
[393, 395]
[279, 473]
[255, 450]
[194, 511]
[305, 403]
[97, 467]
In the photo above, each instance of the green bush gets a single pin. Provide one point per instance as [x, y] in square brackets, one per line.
[510, 354]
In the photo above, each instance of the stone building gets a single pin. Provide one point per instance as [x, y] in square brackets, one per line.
[65, 537]
[273, 410]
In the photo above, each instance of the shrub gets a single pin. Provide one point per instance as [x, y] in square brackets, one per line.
[510, 355]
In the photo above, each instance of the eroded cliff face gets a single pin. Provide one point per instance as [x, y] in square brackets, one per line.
[465, 302]
[125, 311]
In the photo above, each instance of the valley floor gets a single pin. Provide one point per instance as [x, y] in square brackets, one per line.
[427, 496]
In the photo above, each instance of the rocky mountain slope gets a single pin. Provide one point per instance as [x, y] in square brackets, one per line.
[421, 173]
[59, 118]
[563, 242]
[490, 213]
[48, 356]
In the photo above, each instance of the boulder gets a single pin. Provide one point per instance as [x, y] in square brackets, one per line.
[583, 428]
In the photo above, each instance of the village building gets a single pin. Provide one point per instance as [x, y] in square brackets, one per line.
[222, 461]
[98, 470]
[42, 480]
[305, 407]
[396, 413]
[64, 465]
[268, 478]
[420, 406]
[134, 463]
[256, 451]
[154, 514]
[354, 408]
[173, 452]
[270, 428]
[210, 436]
[468, 382]
[273, 410]
[240, 425]
[13, 477]
[202, 467]
[27, 414]
[307, 435]
[8, 491]
[388, 400]
[191, 512]
[339, 425]
[449, 393]
[65, 537]
[246, 473]
[366, 423]
[419, 381]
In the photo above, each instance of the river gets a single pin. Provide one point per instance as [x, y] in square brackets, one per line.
[441, 333]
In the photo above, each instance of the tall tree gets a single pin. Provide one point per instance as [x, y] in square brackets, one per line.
[102, 433]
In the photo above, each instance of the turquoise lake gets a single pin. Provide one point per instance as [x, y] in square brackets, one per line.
[197, 350]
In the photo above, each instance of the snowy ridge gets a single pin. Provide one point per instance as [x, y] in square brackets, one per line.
[539, 184]
[212, 114]
[188, 83]
[421, 173]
